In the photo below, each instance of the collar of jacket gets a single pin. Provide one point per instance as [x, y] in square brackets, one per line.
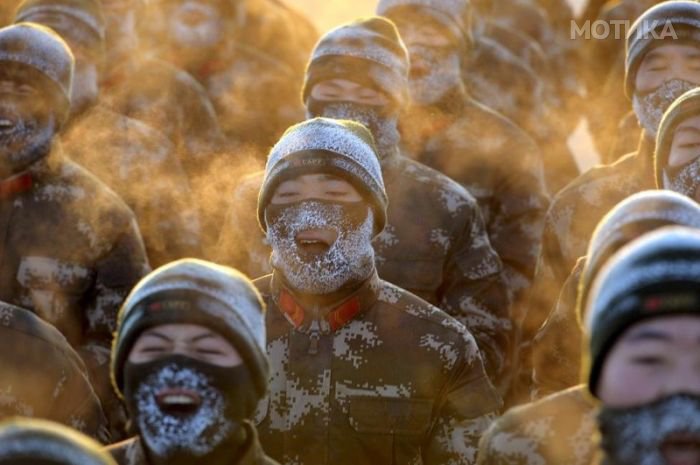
[16, 184]
[253, 455]
[326, 317]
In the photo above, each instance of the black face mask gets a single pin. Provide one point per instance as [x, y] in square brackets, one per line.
[187, 411]
[683, 179]
[382, 121]
[641, 435]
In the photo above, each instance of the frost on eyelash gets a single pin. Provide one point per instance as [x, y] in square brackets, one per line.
[444, 75]
[635, 437]
[350, 257]
[165, 434]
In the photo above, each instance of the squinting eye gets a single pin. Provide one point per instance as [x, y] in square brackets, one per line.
[152, 349]
[649, 360]
[209, 351]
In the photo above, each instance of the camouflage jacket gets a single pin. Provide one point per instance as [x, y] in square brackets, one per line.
[379, 377]
[139, 164]
[557, 430]
[569, 224]
[41, 376]
[499, 164]
[131, 452]
[71, 251]
[434, 245]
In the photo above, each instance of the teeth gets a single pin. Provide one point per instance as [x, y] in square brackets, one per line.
[178, 400]
[6, 123]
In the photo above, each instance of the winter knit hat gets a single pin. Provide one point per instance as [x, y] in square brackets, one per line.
[39, 48]
[452, 13]
[655, 275]
[686, 106]
[678, 21]
[638, 214]
[196, 292]
[369, 51]
[323, 145]
[26, 440]
[87, 12]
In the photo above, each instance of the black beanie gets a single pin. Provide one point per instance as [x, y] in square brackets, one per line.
[196, 292]
[369, 51]
[655, 275]
[323, 145]
[686, 106]
[31, 440]
[677, 20]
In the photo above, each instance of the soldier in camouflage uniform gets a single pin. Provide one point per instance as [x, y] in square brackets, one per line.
[41, 442]
[642, 320]
[557, 345]
[658, 70]
[434, 244]
[361, 370]
[71, 249]
[130, 157]
[41, 376]
[447, 130]
[557, 428]
[189, 362]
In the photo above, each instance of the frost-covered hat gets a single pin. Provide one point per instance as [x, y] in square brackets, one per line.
[638, 214]
[677, 22]
[323, 145]
[686, 106]
[368, 51]
[454, 14]
[196, 292]
[655, 275]
[42, 50]
[86, 12]
[31, 440]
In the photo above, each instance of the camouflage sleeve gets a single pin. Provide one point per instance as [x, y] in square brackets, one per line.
[474, 293]
[117, 271]
[515, 228]
[502, 446]
[466, 411]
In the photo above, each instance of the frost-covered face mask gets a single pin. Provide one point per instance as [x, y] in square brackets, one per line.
[649, 434]
[684, 179]
[439, 73]
[650, 107]
[25, 136]
[381, 123]
[187, 411]
[196, 25]
[313, 270]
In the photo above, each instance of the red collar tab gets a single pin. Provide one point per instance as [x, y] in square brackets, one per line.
[15, 185]
[336, 318]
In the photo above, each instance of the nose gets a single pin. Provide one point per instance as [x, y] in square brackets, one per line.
[684, 380]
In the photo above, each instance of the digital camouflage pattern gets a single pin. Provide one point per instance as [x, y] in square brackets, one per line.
[140, 165]
[434, 245]
[131, 452]
[499, 164]
[41, 376]
[71, 251]
[381, 377]
[559, 429]
[569, 224]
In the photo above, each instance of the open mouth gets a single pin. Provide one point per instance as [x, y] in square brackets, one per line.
[7, 125]
[314, 242]
[178, 402]
[681, 449]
